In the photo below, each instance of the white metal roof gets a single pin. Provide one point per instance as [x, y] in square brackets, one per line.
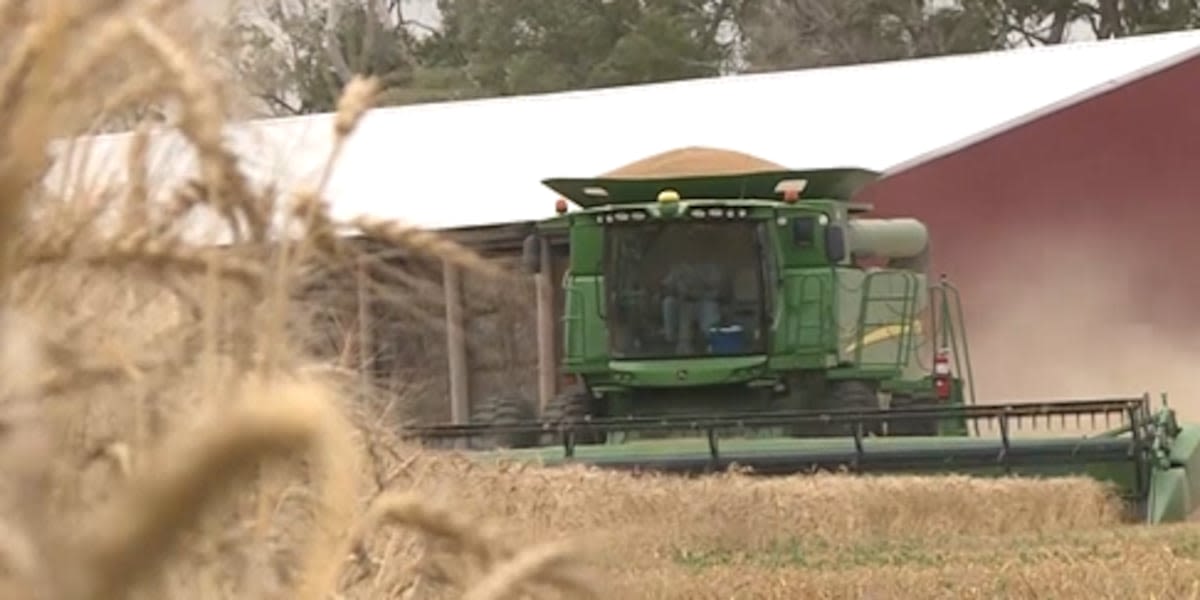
[480, 162]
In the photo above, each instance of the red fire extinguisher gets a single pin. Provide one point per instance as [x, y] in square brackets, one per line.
[941, 374]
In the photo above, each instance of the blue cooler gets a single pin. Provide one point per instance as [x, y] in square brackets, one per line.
[727, 340]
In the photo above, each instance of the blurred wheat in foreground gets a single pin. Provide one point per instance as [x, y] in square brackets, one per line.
[163, 433]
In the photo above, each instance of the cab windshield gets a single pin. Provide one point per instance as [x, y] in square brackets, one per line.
[686, 289]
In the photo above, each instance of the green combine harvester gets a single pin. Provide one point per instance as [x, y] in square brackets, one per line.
[762, 319]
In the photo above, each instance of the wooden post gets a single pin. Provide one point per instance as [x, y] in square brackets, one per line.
[366, 345]
[456, 348]
[547, 371]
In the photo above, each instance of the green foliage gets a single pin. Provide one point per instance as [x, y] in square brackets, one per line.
[481, 48]
[296, 62]
[532, 46]
[789, 34]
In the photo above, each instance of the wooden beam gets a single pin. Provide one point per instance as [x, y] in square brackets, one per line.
[547, 371]
[366, 345]
[456, 348]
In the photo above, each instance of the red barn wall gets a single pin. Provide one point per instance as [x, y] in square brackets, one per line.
[1073, 240]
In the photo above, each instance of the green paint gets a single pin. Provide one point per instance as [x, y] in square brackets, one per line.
[695, 372]
[1175, 482]
[598, 454]
[826, 183]
[809, 315]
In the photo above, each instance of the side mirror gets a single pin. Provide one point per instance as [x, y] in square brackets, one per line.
[835, 244]
[531, 254]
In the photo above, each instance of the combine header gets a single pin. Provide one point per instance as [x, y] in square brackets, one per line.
[759, 318]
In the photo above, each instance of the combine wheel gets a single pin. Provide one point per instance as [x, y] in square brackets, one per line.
[853, 393]
[926, 427]
[503, 411]
[804, 392]
[571, 407]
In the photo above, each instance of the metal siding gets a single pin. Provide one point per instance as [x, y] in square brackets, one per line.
[1101, 196]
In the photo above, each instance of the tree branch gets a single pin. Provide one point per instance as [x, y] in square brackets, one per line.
[273, 99]
[333, 50]
[372, 15]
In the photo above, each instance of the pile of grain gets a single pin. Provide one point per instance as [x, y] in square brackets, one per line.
[693, 161]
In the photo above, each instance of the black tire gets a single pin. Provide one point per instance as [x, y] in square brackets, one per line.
[804, 393]
[571, 407]
[908, 427]
[503, 411]
[851, 394]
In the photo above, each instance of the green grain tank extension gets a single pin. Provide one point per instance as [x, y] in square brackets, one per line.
[764, 320]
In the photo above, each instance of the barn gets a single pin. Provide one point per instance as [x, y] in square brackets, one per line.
[1055, 182]
[1072, 234]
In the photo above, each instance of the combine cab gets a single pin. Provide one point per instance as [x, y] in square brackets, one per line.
[724, 295]
[762, 319]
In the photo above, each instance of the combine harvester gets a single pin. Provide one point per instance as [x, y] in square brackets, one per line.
[757, 317]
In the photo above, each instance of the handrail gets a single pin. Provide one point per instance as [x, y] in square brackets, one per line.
[941, 297]
[962, 333]
[907, 316]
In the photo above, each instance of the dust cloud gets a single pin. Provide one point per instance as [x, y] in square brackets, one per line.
[1058, 317]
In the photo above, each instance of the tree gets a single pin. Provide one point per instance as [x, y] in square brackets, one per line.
[792, 34]
[297, 55]
[1048, 21]
[1031, 22]
[531, 46]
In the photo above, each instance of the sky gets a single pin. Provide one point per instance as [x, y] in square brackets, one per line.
[424, 11]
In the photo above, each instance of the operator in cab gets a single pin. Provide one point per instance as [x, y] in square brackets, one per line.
[693, 293]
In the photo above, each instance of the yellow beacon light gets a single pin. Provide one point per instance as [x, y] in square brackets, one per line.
[668, 201]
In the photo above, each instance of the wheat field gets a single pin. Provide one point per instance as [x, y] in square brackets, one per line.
[165, 434]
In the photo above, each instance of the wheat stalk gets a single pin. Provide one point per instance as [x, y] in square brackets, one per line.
[214, 393]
